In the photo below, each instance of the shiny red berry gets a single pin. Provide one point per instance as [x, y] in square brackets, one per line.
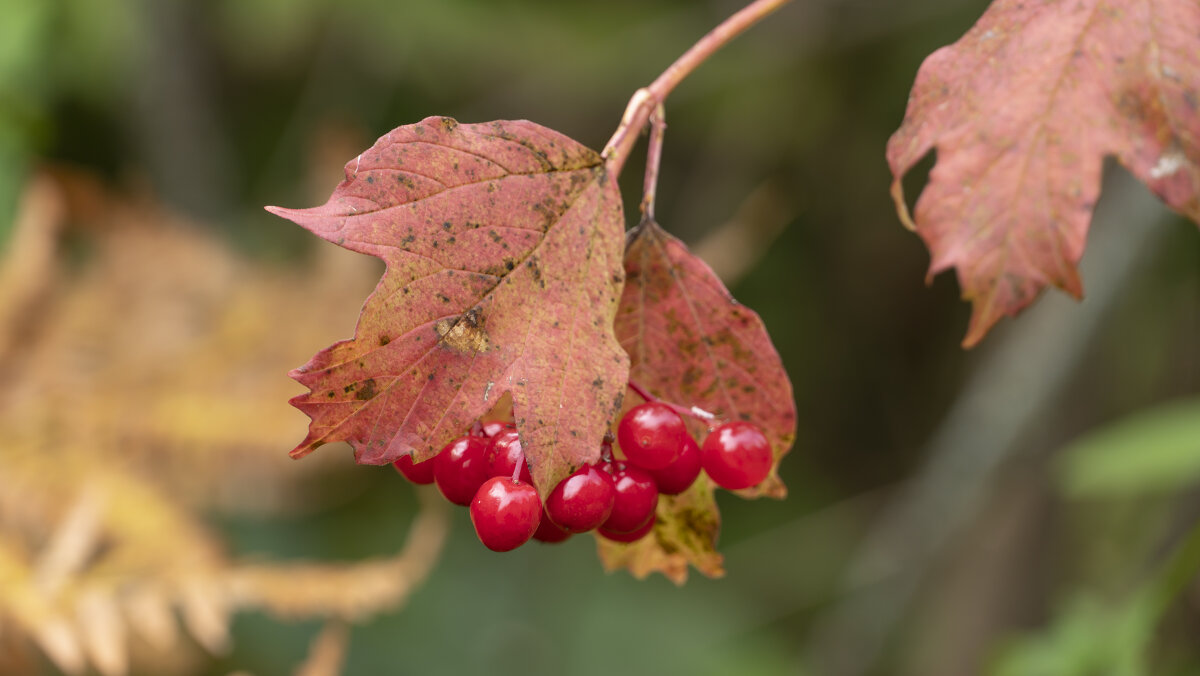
[461, 468]
[681, 474]
[504, 452]
[493, 427]
[583, 500]
[418, 473]
[736, 455]
[548, 532]
[505, 513]
[629, 537]
[636, 499]
[651, 434]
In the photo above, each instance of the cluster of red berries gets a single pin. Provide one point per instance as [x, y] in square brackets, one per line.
[486, 470]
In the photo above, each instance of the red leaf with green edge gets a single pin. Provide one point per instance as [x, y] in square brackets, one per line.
[502, 243]
[1023, 110]
[686, 532]
[691, 343]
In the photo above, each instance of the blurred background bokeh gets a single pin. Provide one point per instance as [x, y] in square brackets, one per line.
[1023, 508]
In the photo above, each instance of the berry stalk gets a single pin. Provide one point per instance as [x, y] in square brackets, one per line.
[692, 412]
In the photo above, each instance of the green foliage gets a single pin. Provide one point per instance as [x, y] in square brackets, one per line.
[1155, 451]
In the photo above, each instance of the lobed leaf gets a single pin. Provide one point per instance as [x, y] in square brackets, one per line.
[502, 244]
[1022, 110]
[691, 343]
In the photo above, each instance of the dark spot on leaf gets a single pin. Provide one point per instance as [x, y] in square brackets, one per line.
[463, 334]
[367, 391]
[384, 340]
[446, 225]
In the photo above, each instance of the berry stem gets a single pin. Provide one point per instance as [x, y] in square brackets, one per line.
[516, 475]
[692, 412]
[658, 125]
[646, 100]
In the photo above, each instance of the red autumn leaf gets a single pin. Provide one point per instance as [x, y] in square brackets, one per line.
[1023, 110]
[502, 243]
[691, 343]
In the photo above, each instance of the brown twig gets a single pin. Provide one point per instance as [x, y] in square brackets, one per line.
[658, 125]
[646, 100]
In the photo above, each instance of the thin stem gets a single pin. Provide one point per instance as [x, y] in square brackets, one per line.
[647, 99]
[516, 477]
[641, 392]
[693, 412]
[658, 125]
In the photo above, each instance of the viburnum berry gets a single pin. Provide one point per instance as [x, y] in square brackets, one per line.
[736, 455]
[549, 532]
[461, 468]
[504, 453]
[651, 435]
[681, 474]
[583, 500]
[636, 498]
[632, 536]
[418, 473]
[505, 513]
[491, 428]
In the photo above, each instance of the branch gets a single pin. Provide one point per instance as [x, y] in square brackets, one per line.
[646, 100]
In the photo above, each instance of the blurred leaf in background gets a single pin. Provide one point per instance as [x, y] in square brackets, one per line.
[1154, 451]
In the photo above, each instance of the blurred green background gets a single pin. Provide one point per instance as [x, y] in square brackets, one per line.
[1006, 510]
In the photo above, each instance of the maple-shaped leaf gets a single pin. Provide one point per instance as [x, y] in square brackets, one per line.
[503, 250]
[691, 343]
[1023, 110]
[685, 532]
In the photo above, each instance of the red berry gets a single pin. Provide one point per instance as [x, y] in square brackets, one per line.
[681, 474]
[505, 513]
[548, 532]
[630, 537]
[736, 455]
[504, 453]
[418, 473]
[583, 500]
[461, 468]
[493, 427]
[637, 497]
[651, 434]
